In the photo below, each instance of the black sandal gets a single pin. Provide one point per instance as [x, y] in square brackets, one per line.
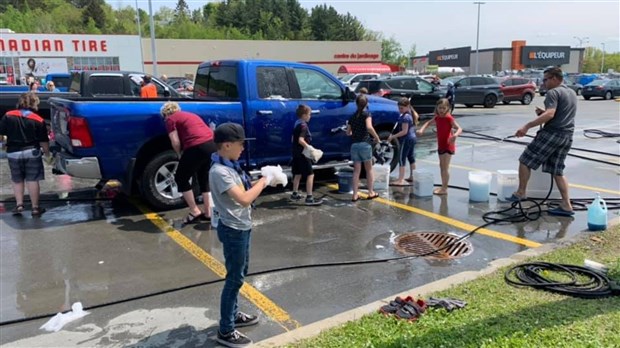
[18, 210]
[190, 219]
[37, 211]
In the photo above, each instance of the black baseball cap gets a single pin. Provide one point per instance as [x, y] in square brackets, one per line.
[229, 132]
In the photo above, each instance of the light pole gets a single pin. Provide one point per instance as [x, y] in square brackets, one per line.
[140, 35]
[153, 50]
[603, 60]
[581, 40]
[478, 34]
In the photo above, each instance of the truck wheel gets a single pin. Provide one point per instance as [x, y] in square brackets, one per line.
[157, 184]
[392, 156]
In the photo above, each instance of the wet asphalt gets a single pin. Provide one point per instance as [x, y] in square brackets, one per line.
[113, 254]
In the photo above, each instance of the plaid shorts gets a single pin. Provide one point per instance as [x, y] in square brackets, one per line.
[549, 149]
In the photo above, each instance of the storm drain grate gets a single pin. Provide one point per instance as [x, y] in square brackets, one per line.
[423, 243]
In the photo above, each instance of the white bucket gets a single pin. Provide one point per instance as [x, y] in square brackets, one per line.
[381, 173]
[507, 183]
[538, 185]
[479, 186]
[423, 182]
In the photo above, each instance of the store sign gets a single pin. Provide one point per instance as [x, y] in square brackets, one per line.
[545, 55]
[70, 45]
[457, 57]
[372, 56]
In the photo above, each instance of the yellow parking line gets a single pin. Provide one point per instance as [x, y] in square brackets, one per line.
[579, 186]
[272, 310]
[453, 222]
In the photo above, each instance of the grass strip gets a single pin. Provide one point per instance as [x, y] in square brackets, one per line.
[499, 315]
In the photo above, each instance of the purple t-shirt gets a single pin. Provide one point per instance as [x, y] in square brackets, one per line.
[190, 127]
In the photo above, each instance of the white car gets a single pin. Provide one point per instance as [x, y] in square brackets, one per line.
[352, 80]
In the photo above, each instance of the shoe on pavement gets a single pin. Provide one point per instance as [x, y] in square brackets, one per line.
[295, 196]
[234, 339]
[313, 201]
[244, 319]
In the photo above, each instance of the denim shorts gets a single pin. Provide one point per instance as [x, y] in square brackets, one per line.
[26, 165]
[361, 152]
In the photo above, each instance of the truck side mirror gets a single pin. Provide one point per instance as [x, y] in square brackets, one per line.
[166, 92]
[457, 85]
[349, 95]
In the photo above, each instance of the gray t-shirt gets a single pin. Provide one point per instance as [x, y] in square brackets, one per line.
[564, 101]
[231, 213]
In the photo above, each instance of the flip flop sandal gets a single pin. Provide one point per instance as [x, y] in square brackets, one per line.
[190, 219]
[560, 212]
[409, 180]
[376, 195]
[38, 211]
[400, 185]
[408, 312]
[355, 199]
[18, 210]
[515, 198]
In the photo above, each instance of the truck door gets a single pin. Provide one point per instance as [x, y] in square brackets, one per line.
[329, 111]
[270, 116]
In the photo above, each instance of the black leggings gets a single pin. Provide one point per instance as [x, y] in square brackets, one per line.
[195, 160]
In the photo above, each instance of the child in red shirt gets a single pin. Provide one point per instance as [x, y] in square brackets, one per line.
[446, 140]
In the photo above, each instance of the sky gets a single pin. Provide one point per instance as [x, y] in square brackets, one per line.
[434, 25]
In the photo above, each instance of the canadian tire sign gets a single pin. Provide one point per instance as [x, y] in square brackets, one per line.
[545, 55]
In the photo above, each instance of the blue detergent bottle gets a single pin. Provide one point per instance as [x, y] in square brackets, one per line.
[597, 214]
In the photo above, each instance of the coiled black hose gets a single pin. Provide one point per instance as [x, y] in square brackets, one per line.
[581, 282]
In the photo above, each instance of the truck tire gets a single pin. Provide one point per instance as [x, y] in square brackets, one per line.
[157, 185]
[393, 155]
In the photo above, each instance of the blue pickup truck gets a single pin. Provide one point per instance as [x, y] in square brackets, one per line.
[125, 139]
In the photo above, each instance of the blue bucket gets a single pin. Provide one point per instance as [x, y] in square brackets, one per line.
[345, 182]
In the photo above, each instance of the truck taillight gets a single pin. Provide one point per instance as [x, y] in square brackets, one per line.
[79, 132]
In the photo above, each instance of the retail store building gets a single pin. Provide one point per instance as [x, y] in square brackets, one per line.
[519, 56]
[181, 57]
[23, 55]
[37, 55]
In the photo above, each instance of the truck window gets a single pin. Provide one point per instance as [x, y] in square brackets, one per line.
[314, 85]
[272, 83]
[216, 83]
[106, 85]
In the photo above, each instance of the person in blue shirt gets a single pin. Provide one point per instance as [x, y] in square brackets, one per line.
[450, 95]
[405, 132]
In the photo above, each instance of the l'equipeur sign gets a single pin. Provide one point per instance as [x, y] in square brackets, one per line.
[452, 57]
[545, 55]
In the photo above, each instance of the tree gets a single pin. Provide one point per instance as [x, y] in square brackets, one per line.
[181, 12]
[391, 51]
[413, 51]
[94, 11]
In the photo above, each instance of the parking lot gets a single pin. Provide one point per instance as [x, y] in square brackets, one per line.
[148, 282]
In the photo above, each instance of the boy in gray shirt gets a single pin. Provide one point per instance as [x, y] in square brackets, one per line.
[233, 194]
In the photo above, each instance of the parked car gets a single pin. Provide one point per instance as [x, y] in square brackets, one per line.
[517, 89]
[475, 90]
[606, 89]
[423, 94]
[577, 87]
[125, 139]
[352, 80]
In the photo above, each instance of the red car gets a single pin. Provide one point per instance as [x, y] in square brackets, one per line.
[517, 89]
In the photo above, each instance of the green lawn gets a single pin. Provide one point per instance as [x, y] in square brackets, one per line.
[499, 315]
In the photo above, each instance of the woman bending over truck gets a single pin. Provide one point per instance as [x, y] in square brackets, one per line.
[192, 140]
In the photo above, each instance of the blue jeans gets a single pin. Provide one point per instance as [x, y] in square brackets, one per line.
[237, 255]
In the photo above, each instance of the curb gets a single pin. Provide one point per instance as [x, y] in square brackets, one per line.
[313, 329]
